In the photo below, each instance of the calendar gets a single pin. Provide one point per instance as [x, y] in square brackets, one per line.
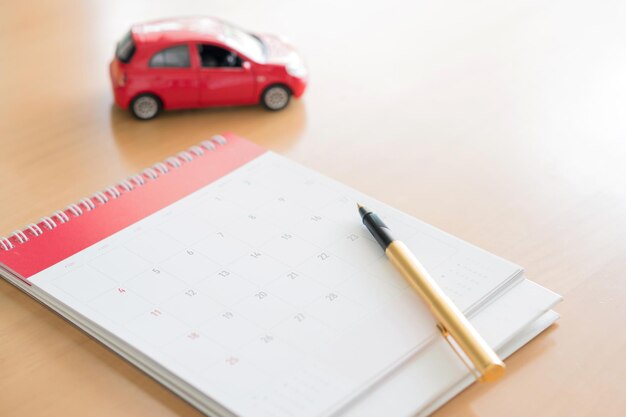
[246, 280]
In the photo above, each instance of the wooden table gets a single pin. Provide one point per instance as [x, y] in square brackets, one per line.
[501, 122]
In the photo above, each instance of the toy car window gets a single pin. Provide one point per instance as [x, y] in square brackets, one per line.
[212, 56]
[248, 44]
[125, 48]
[177, 56]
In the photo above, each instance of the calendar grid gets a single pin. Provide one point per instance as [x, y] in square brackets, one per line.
[264, 291]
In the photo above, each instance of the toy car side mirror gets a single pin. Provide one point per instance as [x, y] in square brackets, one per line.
[246, 65]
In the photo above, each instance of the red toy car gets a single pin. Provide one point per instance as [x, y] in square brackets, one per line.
[201, 62]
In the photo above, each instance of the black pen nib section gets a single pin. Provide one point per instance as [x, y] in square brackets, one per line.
[377, 228]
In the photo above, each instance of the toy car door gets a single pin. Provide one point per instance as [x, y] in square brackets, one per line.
[172, 78]
[224, 78]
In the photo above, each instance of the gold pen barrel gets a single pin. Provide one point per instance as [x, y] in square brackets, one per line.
[452, 321]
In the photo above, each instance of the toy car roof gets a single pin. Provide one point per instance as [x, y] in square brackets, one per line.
[179, 30]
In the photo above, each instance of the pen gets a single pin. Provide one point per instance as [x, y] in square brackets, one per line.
[452, 323]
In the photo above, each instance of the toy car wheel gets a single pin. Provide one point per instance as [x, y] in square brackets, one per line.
[275, 97]
[145, 106]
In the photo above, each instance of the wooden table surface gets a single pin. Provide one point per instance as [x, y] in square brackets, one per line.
[501, 122]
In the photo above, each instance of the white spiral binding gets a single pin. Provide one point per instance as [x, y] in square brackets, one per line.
[137, 180]
[48, 222]
[20, 236]
[161, 167]
[126, 185]
[74, 209]
[196, 150]
[208, 145]
[6, 243]
[99, 195]
[185, 156]
[173, 162]
[113, 192]
[87, 204]
[150, 173]
[219, 139]
[35, 230]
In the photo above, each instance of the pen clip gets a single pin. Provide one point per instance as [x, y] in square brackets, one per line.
[458, 351]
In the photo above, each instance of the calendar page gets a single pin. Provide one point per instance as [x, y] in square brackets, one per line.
[265, 292]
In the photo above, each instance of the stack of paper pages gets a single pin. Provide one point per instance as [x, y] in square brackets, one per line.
[247, 284]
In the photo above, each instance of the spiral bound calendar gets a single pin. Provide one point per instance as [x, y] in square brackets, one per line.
[244, 281]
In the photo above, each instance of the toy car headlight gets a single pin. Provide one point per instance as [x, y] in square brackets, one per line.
[297, 70]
